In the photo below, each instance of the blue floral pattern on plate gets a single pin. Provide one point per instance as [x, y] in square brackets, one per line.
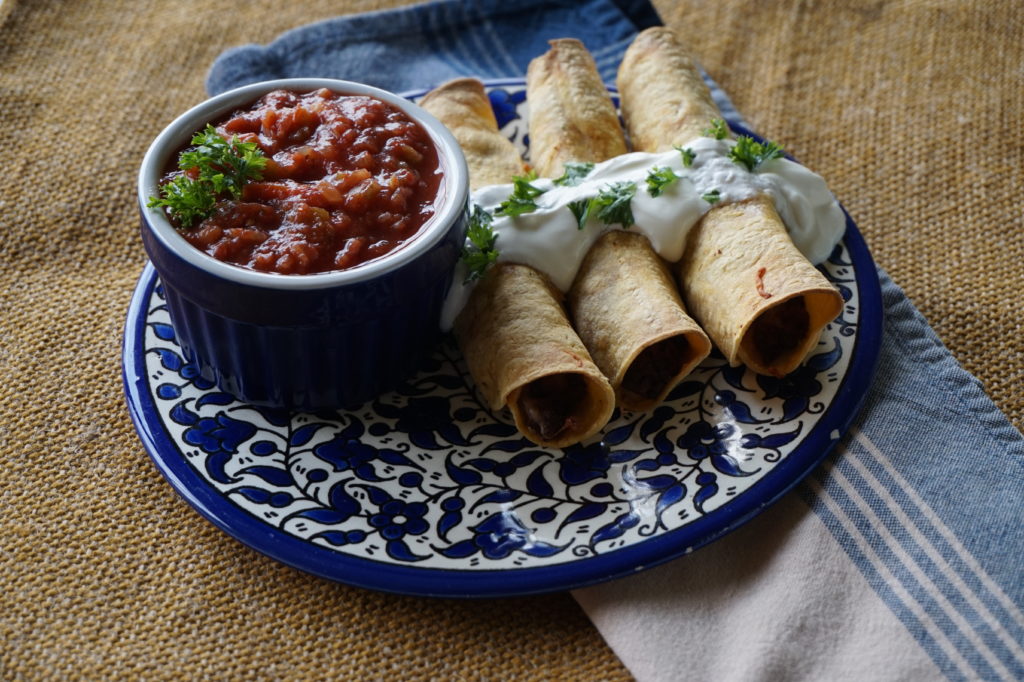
[425, 485]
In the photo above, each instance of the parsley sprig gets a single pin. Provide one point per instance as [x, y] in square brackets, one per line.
[688, 155]
[213, 168]
[573, 173]
[612, 205]
[750, 153]
[186, 199]
[712, 197]
[522, 198]
[480, 253]
[658, 178]
[718, 130]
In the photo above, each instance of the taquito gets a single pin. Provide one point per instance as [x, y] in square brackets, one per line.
[570, 110]
[523, 353]
[758, 298]
[519, 346]
[623, 302]
[462, 105]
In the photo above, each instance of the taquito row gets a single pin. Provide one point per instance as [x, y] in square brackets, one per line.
[627, 338]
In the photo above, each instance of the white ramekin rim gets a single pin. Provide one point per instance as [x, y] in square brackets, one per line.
[455, 184]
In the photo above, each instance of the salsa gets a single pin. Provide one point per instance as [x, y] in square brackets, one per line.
[348, 179]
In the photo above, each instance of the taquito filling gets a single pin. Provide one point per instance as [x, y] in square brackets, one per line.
[778, 331]
[550, 406]
[550, 239]
[655, 367]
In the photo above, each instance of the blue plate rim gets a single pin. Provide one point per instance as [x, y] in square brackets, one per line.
[482, 583]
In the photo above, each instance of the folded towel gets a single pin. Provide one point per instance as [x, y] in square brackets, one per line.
[426, 44]
[899, 558]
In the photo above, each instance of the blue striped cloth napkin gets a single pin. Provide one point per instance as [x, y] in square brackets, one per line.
[899, 558]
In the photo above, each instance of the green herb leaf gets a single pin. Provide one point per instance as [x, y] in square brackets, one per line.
[581, 210]
[688, 155]
[750, 153]
[522, 198]
[614, 203]
[658, 179]
[718, 130]
[574, 172]
[480, 253]
[213, 167]
[226, 164]
[712, 197]
[186, 199]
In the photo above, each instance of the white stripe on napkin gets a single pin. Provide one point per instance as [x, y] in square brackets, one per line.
[936, 523]
[899, 590]
[893, 543]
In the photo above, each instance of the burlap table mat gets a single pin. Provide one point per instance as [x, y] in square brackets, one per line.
[911, 110]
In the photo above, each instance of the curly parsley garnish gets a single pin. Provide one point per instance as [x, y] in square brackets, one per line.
[573, 173]
[712, 197]
[186, 199]
[688, 155]
[750, 153]
[658, 178]
[214, 168]
[718, 130]
[522, 198]
[480, 253]
[612, 205]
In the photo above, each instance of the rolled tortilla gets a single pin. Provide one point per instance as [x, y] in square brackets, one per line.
[517, 341]
[623, 302]
[463, 106]
[761, 302]
[663, 98]
[523, 353]
[754, 290]
[627, 310]
[572, 117]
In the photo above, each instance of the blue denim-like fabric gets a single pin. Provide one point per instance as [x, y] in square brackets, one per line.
[931, 457]
[427, 44]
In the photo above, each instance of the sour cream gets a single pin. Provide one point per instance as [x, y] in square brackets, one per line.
[549, 239]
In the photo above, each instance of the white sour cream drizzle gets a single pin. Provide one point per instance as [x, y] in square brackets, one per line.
[549, 239]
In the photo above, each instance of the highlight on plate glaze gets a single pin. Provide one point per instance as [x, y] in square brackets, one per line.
[427, 476]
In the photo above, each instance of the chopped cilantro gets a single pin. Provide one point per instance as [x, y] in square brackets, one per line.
[574, 172]
[612, 205]
[658, 178]
[581, 211]
[522, 198]
[688, 155]
[480, 253]
[750, 153]
[718, 130]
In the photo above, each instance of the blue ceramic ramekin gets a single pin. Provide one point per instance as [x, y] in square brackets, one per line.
[316, 341]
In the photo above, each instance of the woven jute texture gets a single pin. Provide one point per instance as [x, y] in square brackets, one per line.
[912, 110]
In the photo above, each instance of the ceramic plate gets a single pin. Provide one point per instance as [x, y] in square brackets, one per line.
[424, 491]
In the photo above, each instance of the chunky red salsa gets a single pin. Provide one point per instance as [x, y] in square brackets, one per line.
[348, 179]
